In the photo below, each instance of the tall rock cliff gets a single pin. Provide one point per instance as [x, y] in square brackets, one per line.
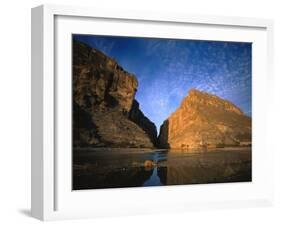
[105, 113]
[140, 119]
[205, 120]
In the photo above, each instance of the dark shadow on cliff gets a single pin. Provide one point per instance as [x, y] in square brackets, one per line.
[105, 113]
[83, 123]
[137, 116]
[162, 141]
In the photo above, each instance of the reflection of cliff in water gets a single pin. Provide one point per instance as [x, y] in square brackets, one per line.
[137, 168]
[115, 178]
[216, 167]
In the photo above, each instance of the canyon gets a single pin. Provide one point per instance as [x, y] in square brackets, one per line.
[106, 113]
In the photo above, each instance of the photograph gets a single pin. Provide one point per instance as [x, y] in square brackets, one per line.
[150, 111]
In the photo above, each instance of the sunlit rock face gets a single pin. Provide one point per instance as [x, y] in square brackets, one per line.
[205, 120]
[105, 112]
[99, 82]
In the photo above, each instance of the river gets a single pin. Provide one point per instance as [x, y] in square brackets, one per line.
[118, 168]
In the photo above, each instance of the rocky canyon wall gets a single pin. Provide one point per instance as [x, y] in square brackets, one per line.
[105, 112]
[205, 120]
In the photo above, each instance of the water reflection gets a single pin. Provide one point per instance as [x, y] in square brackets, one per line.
[134, 168]
[153, 180]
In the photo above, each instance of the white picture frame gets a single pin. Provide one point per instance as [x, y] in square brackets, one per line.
[52, 197]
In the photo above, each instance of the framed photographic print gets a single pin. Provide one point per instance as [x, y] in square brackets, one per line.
[137, 112]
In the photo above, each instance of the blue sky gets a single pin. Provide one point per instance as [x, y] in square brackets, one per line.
[167, 69]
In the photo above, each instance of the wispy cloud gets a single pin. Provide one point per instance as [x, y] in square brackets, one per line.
[167, 69]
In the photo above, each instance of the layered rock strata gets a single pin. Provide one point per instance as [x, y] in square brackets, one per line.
[105, 112]
[205, 120]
